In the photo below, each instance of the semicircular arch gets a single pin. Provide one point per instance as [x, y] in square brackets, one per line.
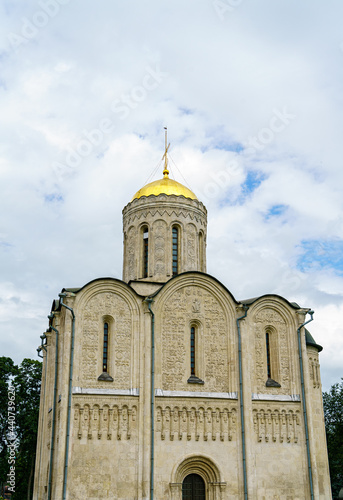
[119, 288]
[279, 307]
[201, 280]
[204, 467]
[196, 464]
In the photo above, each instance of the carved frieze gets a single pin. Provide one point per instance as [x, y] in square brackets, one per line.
[102, 421]
[193, 215]
[277, 424]
[197, 422]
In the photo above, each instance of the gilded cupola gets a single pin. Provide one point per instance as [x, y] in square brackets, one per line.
[164, 229]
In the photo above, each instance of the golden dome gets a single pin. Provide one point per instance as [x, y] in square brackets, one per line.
[165, 186]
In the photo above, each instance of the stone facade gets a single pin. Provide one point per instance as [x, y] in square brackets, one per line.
[159, 214]
[95, 440]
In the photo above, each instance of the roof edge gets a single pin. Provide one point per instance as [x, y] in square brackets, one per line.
[107, 278]
[251, 301]
[311, 342]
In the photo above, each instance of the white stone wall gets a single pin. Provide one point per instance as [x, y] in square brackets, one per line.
[197, 426]
[159, 214]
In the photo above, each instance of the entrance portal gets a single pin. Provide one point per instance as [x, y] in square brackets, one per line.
[193, 488]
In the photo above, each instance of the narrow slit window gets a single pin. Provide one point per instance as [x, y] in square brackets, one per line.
[193, 351]
[175, 250]
[269, 373]
[145, 252]
[105, 350]
[201, 251]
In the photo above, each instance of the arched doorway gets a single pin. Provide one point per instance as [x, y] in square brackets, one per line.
[196, 477]
[193, 488]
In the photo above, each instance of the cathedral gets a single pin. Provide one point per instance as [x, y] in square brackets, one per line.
[163, 385]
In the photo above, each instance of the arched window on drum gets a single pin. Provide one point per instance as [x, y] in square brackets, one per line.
[175, 250]
[145, 263]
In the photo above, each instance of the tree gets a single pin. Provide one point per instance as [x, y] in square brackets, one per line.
[26, 380]
[7, 371]
[333, 413]
[27, 384]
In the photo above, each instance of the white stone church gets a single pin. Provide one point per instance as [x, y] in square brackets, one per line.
[164, 386]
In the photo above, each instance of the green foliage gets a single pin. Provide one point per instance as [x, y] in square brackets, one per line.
[333, 412]
[7, 371]
[26, 380]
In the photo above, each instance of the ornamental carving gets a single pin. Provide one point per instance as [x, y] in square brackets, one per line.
[189, 213]
[197, 422]
[268, 315]
[190, 217]
[314, 370]
[187, 304]
[276, 425]
[118, 422]
[279, 351]
[191, 247]
[109, 305]
[160, 228]
[130, 251]
[196, 306]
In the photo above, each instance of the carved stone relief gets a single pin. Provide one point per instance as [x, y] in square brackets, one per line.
[197, 422]
[191, 247]
[131, 249]
[270, 318]
[160, 247]
[98, 306]
[276, 425]
[185, 305]
[159, 215]
[314, 370]
[162, 213]
[102, 421]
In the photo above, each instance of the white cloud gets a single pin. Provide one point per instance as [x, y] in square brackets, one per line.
[221, 80]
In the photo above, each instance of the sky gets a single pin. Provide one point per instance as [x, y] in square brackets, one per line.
[251, 93]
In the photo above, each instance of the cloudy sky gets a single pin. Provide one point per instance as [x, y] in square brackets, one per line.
[251, 93]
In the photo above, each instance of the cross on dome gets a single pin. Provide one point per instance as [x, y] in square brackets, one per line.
[165, 185]
[165, 171]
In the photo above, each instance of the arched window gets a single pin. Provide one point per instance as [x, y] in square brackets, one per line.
[145, 251]
[193, 487]
[192, 350]
[271, 358]
[105, 352]
[105, 349]
[175, 250]
[194, 356]
[201, 251]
